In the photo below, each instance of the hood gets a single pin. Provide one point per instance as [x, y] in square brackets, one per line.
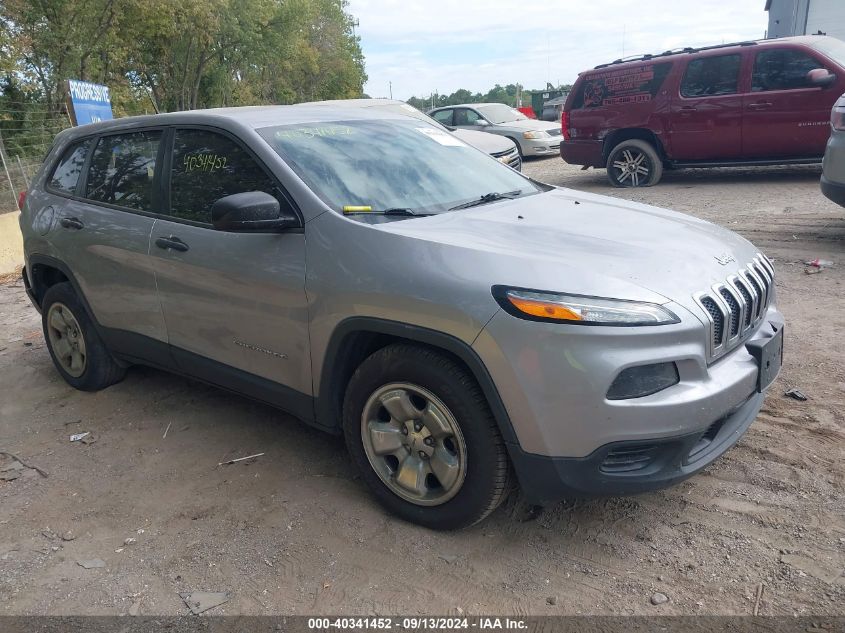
[530, 124]
[489, 143]
[568, 241]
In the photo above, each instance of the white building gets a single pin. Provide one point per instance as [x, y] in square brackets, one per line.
[806, 17]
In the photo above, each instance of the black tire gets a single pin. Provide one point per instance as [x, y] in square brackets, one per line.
[100, 368]
[627, 162]
[518, 147]
[487, 478]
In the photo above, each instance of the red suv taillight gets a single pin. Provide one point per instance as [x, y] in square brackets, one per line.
[837, 119]
[564, 124]
[21, 199]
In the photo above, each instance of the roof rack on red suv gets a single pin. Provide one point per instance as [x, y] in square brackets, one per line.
[763, 102]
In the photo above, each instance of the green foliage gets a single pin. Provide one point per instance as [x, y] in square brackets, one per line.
[166, 55]
[497, 94]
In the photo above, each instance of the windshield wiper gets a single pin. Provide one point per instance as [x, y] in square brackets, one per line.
[489, 197]
[393, 211]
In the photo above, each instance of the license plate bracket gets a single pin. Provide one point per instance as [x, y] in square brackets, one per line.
[768, 352]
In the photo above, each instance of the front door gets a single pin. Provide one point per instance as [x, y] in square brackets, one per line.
[784, 116]
[234, 303]
[705, 120]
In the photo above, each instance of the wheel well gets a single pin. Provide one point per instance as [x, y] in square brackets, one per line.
[353, 349]
[44, 277]
[614, 138]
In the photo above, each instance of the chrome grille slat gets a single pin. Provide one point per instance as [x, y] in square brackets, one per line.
[735, 308]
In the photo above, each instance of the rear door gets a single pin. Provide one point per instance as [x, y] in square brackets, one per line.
[234, 303]
[705, 121]
[102, 231]
[784, 116]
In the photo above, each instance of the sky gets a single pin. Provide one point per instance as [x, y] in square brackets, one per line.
[443, 45]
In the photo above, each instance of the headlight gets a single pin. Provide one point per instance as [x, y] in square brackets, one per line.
[536, 134]
[580, 310]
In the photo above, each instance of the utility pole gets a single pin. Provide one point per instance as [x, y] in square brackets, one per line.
[390, 83]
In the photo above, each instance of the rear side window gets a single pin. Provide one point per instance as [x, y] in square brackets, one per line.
[711, 76]
[123, 168]
[782, 69]
[67, 171]
[612, 87]
[208, 166]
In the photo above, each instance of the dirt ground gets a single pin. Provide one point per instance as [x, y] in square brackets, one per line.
[294, 532]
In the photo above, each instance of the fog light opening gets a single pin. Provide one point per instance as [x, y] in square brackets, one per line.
[643, 380]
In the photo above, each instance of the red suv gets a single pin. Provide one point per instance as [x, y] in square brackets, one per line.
[752, 103]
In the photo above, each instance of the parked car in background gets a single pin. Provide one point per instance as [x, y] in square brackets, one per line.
[552, 109]
[833, 172]
[462, 326]
[528, 111]
[532, 137]
[502, 149]
[753, 103]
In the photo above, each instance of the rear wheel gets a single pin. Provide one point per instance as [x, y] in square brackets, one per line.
[634, 163]
[421, 433]
[74, 345]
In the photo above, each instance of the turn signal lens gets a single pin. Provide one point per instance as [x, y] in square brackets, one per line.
[550, 306]
[544, 309]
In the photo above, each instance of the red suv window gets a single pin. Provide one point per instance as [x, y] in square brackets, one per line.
[709, 76]
[782, 69]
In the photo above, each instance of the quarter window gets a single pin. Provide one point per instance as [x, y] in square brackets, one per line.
[710, 76]
[67, 171]
[782, 69]
[123, 168]
[208, 166]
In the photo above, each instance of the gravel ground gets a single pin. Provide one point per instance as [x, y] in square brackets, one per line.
[294, 532]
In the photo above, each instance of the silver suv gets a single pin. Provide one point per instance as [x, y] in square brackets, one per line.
[465, 327]
[833, 172]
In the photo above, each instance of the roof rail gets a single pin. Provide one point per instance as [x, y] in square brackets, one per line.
[674, 51]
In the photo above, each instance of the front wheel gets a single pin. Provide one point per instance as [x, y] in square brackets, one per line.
[421, 433]
[634, 163]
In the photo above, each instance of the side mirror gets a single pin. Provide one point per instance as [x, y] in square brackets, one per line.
[820, 77]
[481, 122]
[250, 211]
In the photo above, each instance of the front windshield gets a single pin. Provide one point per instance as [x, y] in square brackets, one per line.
[377, 165]
[832, 47]
[500, 113]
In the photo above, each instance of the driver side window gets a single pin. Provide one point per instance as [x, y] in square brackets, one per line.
[782, 69]
[208, 166]
[465, 116]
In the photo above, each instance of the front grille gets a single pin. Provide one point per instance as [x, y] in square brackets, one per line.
[735, 307]
[509, 157]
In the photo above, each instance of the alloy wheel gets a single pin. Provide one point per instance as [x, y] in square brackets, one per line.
[631, 167]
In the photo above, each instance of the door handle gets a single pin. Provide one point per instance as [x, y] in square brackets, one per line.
[71, 223]
[759, 106]
[171, 243]
[689, 109]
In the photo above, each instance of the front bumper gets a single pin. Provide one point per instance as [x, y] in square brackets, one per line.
[568, 439]
[540, 147]
[624, 468]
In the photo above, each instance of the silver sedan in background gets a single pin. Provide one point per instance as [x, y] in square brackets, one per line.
[532, 137]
